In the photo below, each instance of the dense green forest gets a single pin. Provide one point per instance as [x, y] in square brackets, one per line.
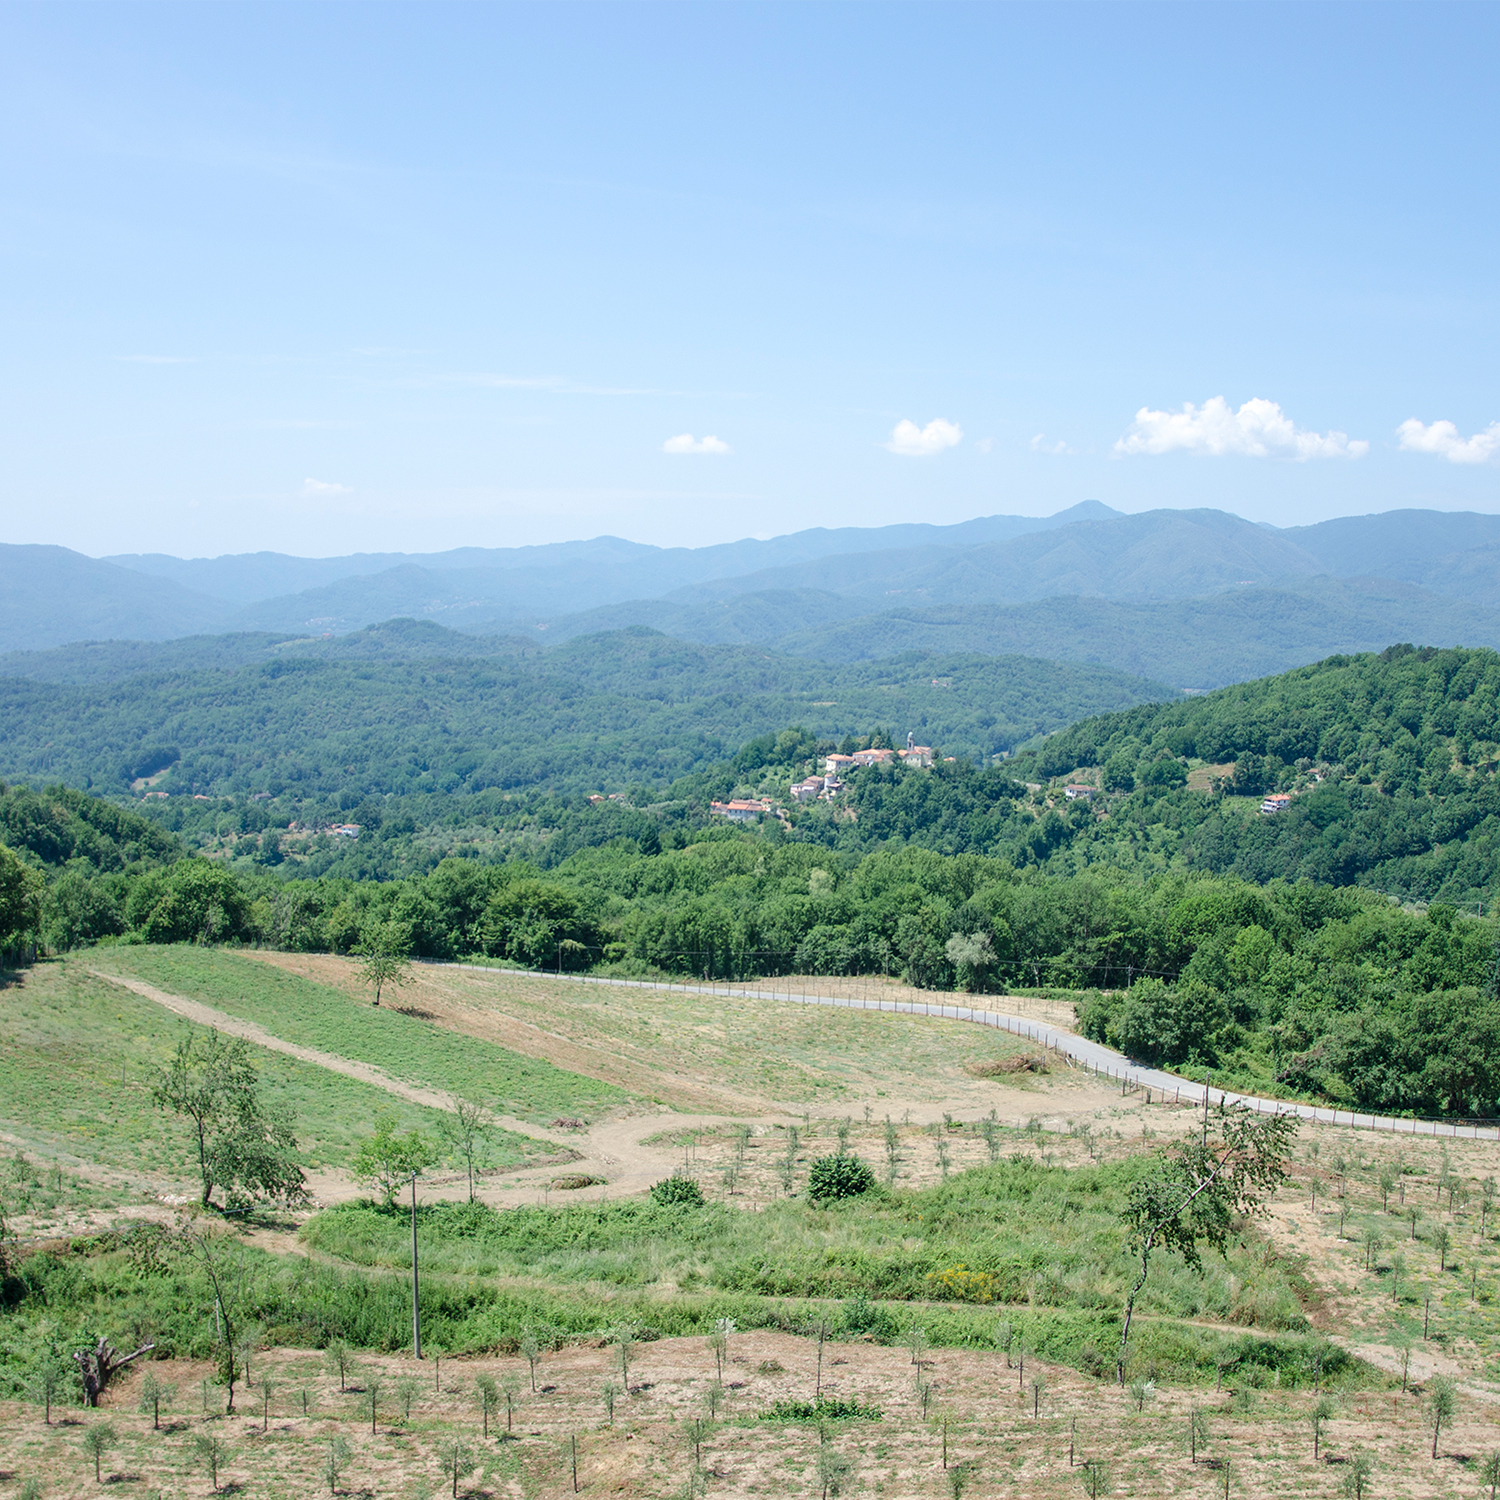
[378, 714]
[1391, 760]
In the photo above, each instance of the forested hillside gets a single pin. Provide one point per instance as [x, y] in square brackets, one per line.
[379, 714]
[1205, 932]
[1391, 761]
[1327, 993]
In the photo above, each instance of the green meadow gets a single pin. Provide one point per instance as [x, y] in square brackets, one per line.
[77, 1055]
[310, 1014]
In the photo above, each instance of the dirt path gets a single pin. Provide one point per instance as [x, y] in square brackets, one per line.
[612, 1148]
[206, 1015]
[615, 1148]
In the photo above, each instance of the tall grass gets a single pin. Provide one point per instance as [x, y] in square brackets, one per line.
[62, 1300]
[1014, 1233]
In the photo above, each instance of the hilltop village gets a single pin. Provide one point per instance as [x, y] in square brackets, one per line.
[827, 786]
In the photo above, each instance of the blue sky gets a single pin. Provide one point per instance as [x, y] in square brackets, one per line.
[325, 278]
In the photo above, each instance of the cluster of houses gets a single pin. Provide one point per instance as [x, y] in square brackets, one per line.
[828, 785]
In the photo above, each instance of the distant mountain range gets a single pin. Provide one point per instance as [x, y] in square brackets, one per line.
[1197, 598]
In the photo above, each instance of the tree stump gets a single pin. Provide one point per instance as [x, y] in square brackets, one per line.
[98, 1366]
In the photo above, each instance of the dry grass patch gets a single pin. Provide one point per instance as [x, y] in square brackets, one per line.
[977, 1407]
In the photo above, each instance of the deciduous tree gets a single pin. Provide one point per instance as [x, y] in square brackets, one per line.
[245, 1147]
[386, 1160]
[382, 955]
[1197, 1190]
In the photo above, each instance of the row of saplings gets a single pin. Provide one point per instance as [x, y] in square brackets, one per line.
[457, 1459]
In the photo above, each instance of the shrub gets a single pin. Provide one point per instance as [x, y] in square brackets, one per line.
[824, 1409]
[677, 1189]
[838, 1177]
[860, 1315]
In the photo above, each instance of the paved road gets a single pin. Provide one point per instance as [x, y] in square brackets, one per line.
[1099, 1059]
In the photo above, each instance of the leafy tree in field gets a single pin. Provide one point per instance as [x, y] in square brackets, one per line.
[97, 1440]
[1358, 1472]
[230, 1282]
[466, 1130]
[488, 1394]
[153, 1396]
[383, 962]
[212, 1452]
[335, 1461]
[339, 1361]
[677, 1188]
[531, 1351]
[1322, 1412]
[456, 1460]
[374, 1384]
[386, 1161]
[1442, 1401]
[245, 1147]
[47, 1385]
[1198, 1189]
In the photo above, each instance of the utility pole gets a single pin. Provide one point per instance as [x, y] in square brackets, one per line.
[1207, 1081]
[416, 1311]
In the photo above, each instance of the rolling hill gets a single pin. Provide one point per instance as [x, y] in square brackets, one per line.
[410, 709]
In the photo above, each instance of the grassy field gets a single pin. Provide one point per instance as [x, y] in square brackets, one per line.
[1015, 1233]
[300, 1010]
[692, 1048]
[76, 1058]
[986, 1225]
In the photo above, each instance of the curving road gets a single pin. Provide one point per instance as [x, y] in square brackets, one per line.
[1099, 1059]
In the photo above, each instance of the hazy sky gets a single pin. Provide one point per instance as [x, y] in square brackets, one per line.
[327, 278]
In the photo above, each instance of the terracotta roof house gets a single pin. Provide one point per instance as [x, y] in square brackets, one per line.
[737, 810]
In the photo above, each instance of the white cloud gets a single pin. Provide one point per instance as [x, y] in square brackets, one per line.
[685, 442]
[1039, 444]
[157, 359]
[1259, 429]
[985, 444]
[1442, 438]
[911, 441]
[314, 489]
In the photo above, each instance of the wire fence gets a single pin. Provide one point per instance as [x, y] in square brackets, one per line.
[1156, 1085]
